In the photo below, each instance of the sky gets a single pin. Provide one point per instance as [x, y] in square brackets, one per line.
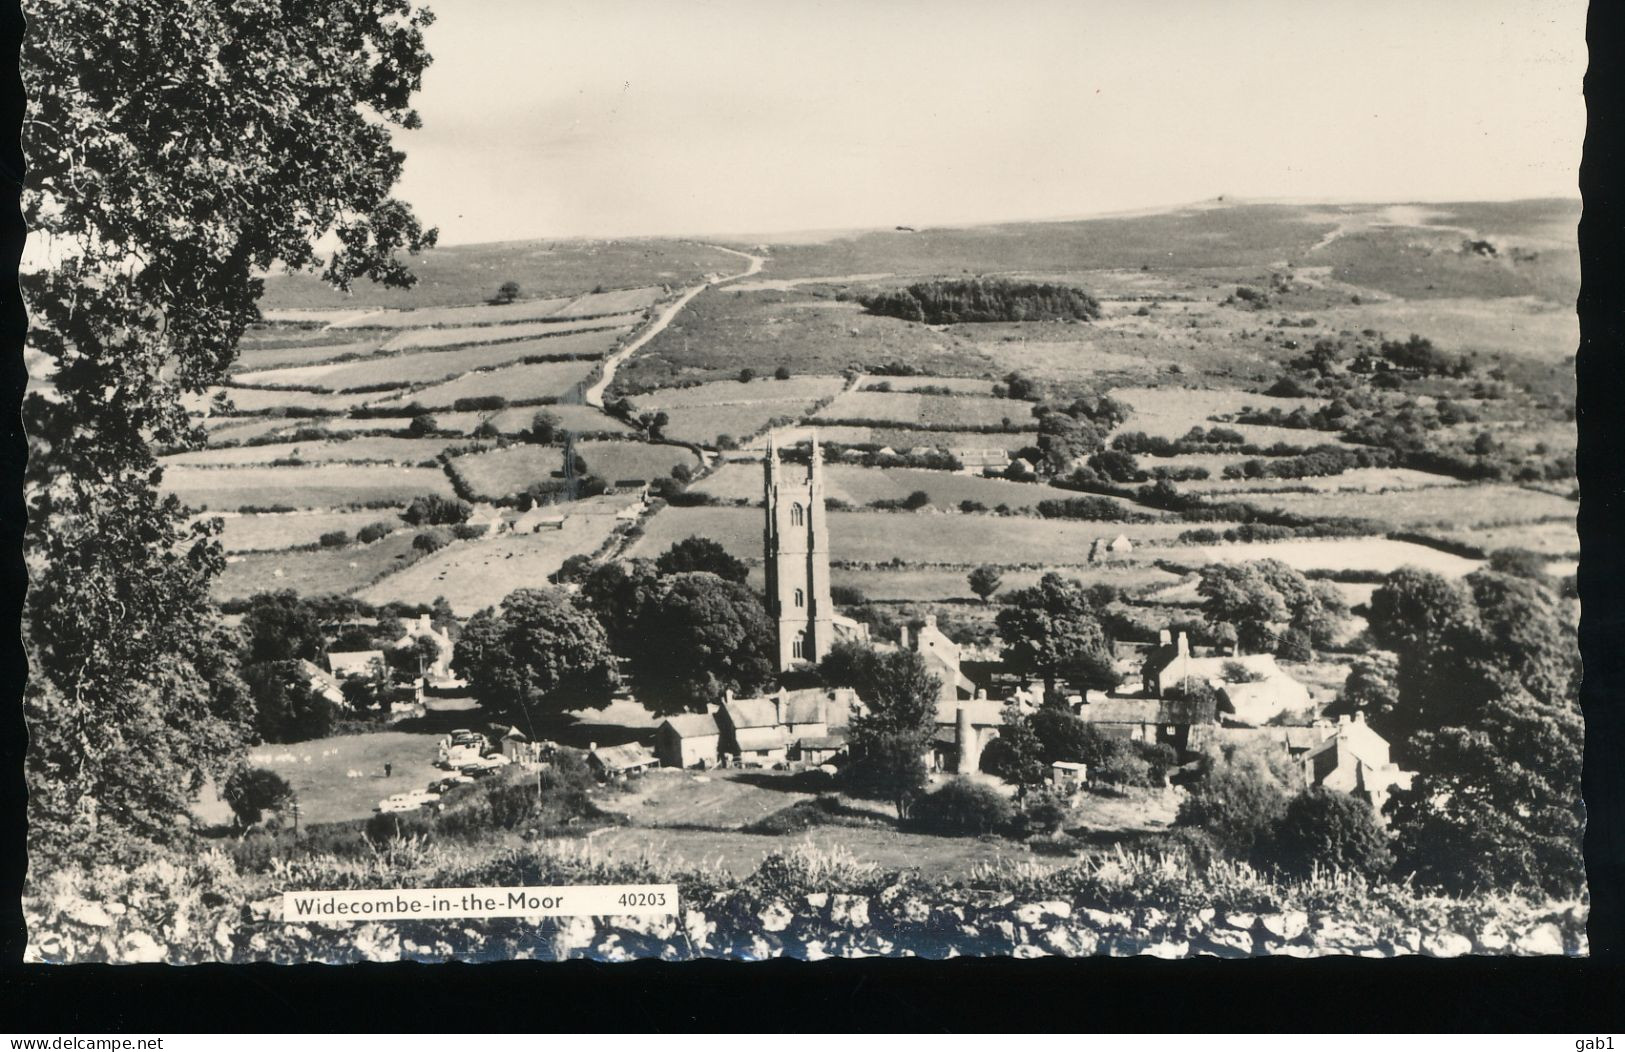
[611, 118]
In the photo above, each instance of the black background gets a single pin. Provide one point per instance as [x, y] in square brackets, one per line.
[1334, 994]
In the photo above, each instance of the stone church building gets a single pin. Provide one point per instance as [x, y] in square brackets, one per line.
[795, 553]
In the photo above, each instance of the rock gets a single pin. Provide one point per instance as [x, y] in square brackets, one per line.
[1231, 940]
[1291, 950]
[1544, 939]
[1036, 914]
[1028, 950]
[849, 910]
[818, 900]
[1446, 944]
[699, 929]
[90, 914]
[222, 934]
[914, 910]
[140, 948]
[1152, 918]
[117, 909]
[1288, 925]
[1411, 939]
[1240, 921]
[776, 917]
[1493, 938]
[572, 934]
[1069, 941]
[377, 942]
[1168, 951]
[654, 926]
[814, 951]
[1108, 921]
[266, 909]
[1205, 915]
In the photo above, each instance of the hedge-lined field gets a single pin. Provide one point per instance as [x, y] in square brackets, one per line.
[259, 533]
[731, 392]
[430, 339]
[859, 485]
[365, 449]
[484, 314]
[322, 571]
[927, 410]
[314, 486]
[583, 419]
[1445, 507]
[513, 382]
[616, 301]
[505, 472]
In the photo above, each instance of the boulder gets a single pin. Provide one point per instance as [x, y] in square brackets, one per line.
[90, 914]
[849, 910]
[776, 917]
[1168, 950]
[1240, 921]
[1230, 941]
[1288, 925]
[818, 900]
[140, 948]
[1105, 921]
[1543, 939]
[1446, 944]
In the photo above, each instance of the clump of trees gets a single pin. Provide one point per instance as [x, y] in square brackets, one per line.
[431, 509]
[1272, 608]
[250, 792]
[1053, 630]
[983, 300]
[889, 739]
[701, 555]
[541, 652]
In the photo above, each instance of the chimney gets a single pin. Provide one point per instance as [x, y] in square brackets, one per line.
[1163, 638]
[902, 638]
[592, 746]
[728, 694]
[1184, 645]
[930, 620]
[778, 707]
[965, 738]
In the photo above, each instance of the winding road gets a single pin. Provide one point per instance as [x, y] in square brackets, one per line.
[594, 395]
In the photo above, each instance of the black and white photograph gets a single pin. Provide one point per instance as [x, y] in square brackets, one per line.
[734, 480]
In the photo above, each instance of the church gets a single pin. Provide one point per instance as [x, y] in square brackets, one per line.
[795, 554]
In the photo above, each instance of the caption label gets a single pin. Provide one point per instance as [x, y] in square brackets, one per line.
[582, 900]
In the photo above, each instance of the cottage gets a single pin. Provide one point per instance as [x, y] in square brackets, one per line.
[348, 664]
[1155, 721]
[619, 760]
[691, 740]
[321, 684]
[1354, 759]
[942, 656]
[422, 627]
[819, 749]
[1255, 702]
[1265, 691]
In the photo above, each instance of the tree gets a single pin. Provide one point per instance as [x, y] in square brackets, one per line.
[286, 709]
[891, 734]
[1016, 755]
[431, 509]
[540, 653]
[1329, 829]
[252, 791]
[701, 555]
[281, 626]
[962, 808]
[781, 373]
[1235, 804]
[984, 581]
[617, 592]
[1050, 628]
[544, 428]
[1370, 690]
[422, 425]
[507, 292]
[695, 637]
[1265, 599]
[746, 375]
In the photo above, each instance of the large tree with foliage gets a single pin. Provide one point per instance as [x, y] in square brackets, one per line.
[701, 555]
[171, 163]
[1052, 630]
[696, 637]
[892, 732]
[542, 652]
[1267, 600]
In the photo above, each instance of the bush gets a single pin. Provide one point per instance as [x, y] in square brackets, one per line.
[1330, 829]
[252, 791]
[1042, 814]
[781, 373]
[335, 539]
[1235, 805]
[961, 808]
[428, 542]
[434, 510]
[847, 595]
[464, 531]
[374, 531]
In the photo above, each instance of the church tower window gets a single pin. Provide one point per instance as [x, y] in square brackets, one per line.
[797, 516]
[801, 599]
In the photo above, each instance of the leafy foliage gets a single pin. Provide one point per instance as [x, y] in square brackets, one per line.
[984, 300]
[1052, 630]
[893, 731]
[540, 652]
[252, 791]
[701, 555]
[961, 807]
[695, 637]
[1333, 830]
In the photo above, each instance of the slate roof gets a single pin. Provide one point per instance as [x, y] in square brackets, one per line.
[623, 757]
[1148, 710]
[751, 712]
[822, 741]
[756, 739]
[694, 725]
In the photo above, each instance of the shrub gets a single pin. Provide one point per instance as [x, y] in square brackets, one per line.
[1042, 814]
[847, 595]
[374, 531]
[428, 542]
[1323, 827]
[917, 500]
[431, 509]
[781, 373]
[334, 539]
[252, 791]
[1236, 805]
[464, 531]
[746, 375]
[961, 808]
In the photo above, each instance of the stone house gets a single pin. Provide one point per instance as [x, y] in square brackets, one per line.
[618, 760]
[942, 656]
[689, 740]
[348, 664]
[1164, 721]
[1354, 759]
[422, 627]
[1267, 691]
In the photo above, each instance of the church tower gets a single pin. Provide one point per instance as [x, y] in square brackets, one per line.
[795, 550]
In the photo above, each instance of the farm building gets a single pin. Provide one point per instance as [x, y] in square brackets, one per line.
[760, 730]
[321, 684]
[542, 517]
[617, 760]
[691, 740]
[1151, 720]
[422, 627]
[347, 664]
[1170, 663]
[1101, 550]
[976, 461]
[942, 657]
[1256, 702]
[1066, 776]
[818, 749]
[1353, 759]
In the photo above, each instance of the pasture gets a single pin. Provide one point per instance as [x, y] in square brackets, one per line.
[1556, 538]
[1442, 507]
[312, 486]
[323, 571]
[472, 575]
[859, 486]
[504, 472]
[1343, 553]
[483, 314]
[257, 400]
[319, 771]
[1363, 480]
[617, 301]
[274, 355]
[934, 584]
[366, 449]
[458, 275]
[732, 392]
[948, 412]
[964, 385]
[904, 438]
[1173, 411]
[923, 538]
[710, 425]
[275, 532]
[516, 383]
[435, 339]
[582, 419]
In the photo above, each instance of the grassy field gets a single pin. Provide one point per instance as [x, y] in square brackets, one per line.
[708, 424]
[365, 449]
[858, 485]
[579, 418]
[433, 366]
[482, 314]
[878, 537]
[965, 385]
[732, 392]
[1445, 507]
[902, 438]
[435, 339]
[929, 410]
[254, 400]
[1172, 411]
[323, 486]
[935, 584]
[618, 301]
[513, 382]
[1558, 538]
[472, 575]
[1359, 480]
[259, 533]
[457, 275]
[1341, 553]
[321, 771]
[322, 572]
[503, 472]
[223, 429]
[273, 354]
